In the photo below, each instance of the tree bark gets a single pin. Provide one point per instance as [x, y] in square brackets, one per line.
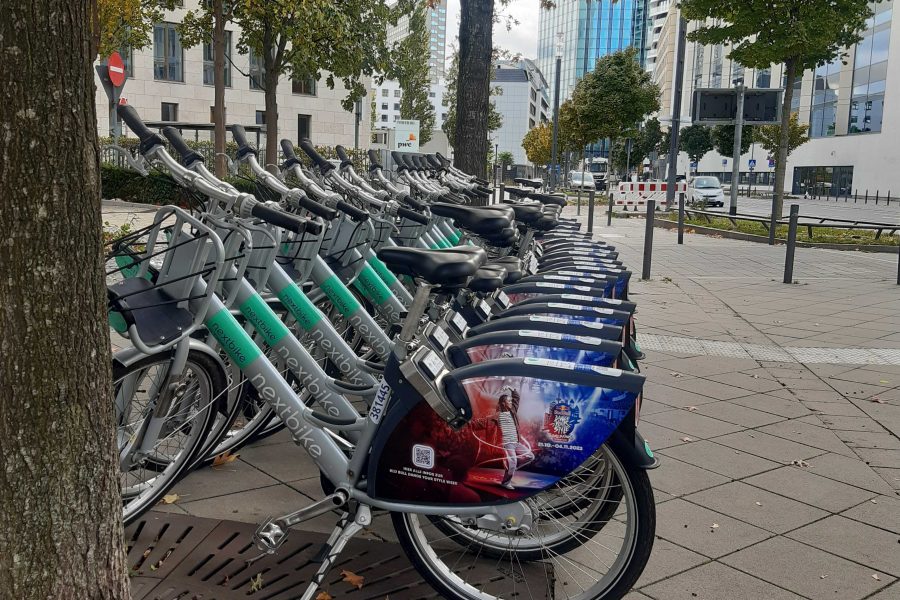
[60, 508]
[474, 86]
[219, 87]
[270, 83]
[790, 69]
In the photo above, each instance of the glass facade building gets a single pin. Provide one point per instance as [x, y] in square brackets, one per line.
[589, 29]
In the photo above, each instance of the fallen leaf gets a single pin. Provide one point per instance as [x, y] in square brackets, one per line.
[690, 408]
[759, 503]
[876, 577]
[687, 439]
[878, 400]
[714, 526]
[883, 381]
[873, 501]
[822, 576]
[353, 579]
[256, 583]
[756, 377]
[170, 499]
[674, 374]
[224, 459]
[800, 463]
[323, 596]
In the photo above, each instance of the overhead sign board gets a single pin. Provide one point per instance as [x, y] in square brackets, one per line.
[718, 106]
[406, 135]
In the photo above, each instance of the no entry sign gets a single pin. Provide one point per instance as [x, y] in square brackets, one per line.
[116, 69]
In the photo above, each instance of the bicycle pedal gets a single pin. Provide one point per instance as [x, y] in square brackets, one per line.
[269, 536]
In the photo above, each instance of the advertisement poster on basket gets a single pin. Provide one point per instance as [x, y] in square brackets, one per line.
[406, 135]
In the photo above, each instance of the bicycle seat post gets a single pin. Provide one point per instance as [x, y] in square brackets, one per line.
[415, 314]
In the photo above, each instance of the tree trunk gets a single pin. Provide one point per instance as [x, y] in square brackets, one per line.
[219, 87]
[790, 68]
[474, 87]
[60, 507]
[270, 83]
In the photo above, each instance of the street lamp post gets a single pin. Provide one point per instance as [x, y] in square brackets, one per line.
[554, 174]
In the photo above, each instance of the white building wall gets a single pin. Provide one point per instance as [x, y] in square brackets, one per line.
[330, 123]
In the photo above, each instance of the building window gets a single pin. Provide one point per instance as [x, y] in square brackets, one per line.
[533, 95]
[127, 55]
[870, 74]
[443, 117]
[532, 109]
[304, 126]
[168, 57]
[823, 111]
[305, 87]
[384, 93]
[384, 118]
[823, 181]
[168, 112]
[715, 76]
[763, 78]
[397, 93]
[209, 62]
[431, 94]
[384, 106]
[531, 123]
[260, 117]
[396, 106]
[257, 71]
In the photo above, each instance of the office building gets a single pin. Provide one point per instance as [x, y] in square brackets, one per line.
[587, 30]
[436, 21]
[387, 103]
[167, 82]
[523, 104]
[851, 125]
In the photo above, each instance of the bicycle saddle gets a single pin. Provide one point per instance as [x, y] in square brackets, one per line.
[487, 279]
[548, 199]
[445, 268]
[477, 219]
[513, 266]
[527, 213]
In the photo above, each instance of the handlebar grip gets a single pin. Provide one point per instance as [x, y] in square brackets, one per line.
[412, 216]
[188, 156]
[342, 154]
[310, 150]
[351, 211]
[290, 159]
[398, 160]
[244, 147]
[282, 219]
[149, 140]
[412, 202]
[446, 163]
[320, 210]
[434, 161]
[374, 162]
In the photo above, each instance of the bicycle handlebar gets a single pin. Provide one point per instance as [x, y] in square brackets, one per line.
[134, 122]
[290, 158]
[310, 150]
[412, 216]
[188, 156]
[412, 202]
[342, 154]
[374, 163]
[356, 214]
[240, 136]
[284, 220]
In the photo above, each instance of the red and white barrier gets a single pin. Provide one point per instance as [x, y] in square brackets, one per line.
[633, 195]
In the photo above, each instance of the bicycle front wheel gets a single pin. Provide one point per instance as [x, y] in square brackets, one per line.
[601, 562]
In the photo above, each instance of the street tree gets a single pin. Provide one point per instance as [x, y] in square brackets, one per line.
[696, 141]
[505, 158]
[537, 144]
[207, 25]
[798, 33]
[723, 139]
[769, 136]
[613, 99]
[302, 40]
[409, 67]
[121, 24]
[60, 505]
[643, 142]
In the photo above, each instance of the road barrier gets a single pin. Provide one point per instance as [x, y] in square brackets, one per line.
[634, 195]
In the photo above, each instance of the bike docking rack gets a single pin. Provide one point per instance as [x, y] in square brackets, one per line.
[795, 222]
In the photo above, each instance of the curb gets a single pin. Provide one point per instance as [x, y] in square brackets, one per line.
[749, 237]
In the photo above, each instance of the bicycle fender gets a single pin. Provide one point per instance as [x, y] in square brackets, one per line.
[632, 447]
[128, 356]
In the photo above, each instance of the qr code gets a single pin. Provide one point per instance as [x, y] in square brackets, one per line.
[423, 456]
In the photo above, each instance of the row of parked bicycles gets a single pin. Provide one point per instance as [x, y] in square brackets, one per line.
[468, 367]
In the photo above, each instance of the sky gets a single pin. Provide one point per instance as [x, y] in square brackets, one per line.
[523, 38]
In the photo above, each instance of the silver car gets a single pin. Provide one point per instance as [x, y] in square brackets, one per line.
[707, 190]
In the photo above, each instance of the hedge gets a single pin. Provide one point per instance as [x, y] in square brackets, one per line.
[158, 189]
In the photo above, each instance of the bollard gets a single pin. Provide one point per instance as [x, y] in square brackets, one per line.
[773, 221]
[591, 195]
[791, 244]
[876, 197]
[648, 239]
[578, 203]
[680, 217]
[867, 197]
[898, 265]
[609, 210]
[855, 195]
[502, 193]
[889, 198]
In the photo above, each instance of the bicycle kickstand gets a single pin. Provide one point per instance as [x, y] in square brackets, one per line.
[342, 534]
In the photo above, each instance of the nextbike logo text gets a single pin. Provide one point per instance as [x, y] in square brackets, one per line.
[288, 415]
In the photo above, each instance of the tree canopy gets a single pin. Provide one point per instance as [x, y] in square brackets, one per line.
[768, 136]
[799, 33]
[723, 139]
[127, 23]
[696, 141]
[537, 143]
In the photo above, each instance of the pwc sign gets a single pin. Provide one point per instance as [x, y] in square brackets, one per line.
[406, 135]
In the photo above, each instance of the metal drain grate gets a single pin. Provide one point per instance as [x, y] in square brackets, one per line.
[180, 557]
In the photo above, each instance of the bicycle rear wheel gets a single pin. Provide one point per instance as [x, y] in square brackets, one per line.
[602, 562]
[150, 475]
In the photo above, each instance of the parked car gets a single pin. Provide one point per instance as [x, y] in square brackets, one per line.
[706, 190]
[584, 181]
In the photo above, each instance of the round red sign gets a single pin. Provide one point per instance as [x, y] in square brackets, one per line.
[116, 68]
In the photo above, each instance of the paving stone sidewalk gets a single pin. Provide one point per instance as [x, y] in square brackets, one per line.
[779, 478]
